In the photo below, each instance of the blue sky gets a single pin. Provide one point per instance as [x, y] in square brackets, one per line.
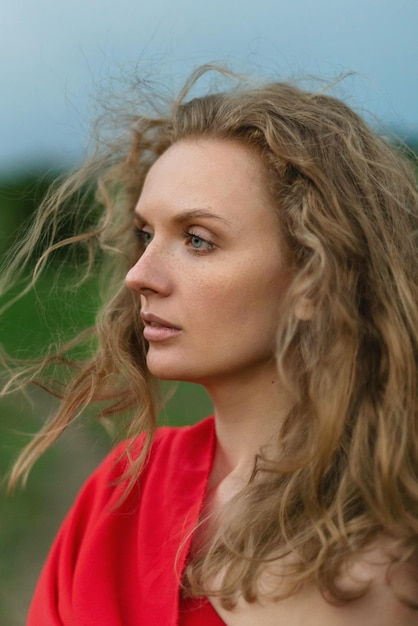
[55, 56]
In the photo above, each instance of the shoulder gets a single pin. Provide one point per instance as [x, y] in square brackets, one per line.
[193, 444]
[105, 531]
[391, 588]
[383, 603]
[190, 442]
[166, 438]
[179, 457]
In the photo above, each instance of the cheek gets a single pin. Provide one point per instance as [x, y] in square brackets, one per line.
[249, 296]
[212, 305]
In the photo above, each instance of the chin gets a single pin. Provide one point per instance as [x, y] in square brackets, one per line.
[165, 370]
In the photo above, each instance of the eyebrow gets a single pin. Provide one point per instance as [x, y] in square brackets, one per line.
[186, 216]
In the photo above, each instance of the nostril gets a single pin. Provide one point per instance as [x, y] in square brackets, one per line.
[146, 291]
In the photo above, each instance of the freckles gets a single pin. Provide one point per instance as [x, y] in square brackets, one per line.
[213, 300]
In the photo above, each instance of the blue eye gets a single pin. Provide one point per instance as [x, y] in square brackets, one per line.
[143, 236]
[197, 243]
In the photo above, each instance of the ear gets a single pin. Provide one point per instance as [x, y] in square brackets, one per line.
[304, 309]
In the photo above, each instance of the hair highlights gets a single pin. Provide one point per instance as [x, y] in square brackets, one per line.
[345, 470]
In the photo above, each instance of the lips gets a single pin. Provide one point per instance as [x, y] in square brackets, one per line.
[157, 328]
[153, 320]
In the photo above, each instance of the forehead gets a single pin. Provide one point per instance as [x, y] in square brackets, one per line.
[216, 174]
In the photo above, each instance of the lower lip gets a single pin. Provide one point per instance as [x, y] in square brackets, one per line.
[160, 333]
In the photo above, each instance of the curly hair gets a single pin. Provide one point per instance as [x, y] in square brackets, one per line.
[345, 470]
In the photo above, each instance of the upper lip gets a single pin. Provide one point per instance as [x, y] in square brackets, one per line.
[150, 318]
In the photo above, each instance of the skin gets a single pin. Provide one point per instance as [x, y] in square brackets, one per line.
[211, 288]
[211, 283]
[214, 269]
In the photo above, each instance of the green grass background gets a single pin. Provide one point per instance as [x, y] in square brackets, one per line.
[30, 517]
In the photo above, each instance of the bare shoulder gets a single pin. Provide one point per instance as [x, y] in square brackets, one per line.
[390, 588]
[381, 605]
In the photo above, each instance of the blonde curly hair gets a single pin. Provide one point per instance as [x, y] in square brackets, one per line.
[346, 467]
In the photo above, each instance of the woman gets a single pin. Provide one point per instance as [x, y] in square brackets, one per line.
[269, 240]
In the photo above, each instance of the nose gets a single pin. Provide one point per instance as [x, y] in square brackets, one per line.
[150, 274]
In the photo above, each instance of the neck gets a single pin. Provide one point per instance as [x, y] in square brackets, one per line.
[248, 414]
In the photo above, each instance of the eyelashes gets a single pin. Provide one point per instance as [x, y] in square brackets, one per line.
[196, 243]
[143, 236]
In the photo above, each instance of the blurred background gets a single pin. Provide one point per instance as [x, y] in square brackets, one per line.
[57, 60]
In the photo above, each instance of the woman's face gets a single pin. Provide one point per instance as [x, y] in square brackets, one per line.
[213, 272]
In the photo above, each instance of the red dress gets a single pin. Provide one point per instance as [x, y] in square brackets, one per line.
[121, 565]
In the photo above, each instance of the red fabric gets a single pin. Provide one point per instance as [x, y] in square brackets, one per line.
[198, 612]
[120, 566]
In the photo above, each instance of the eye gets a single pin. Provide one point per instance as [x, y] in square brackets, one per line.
[197, 243]
[143, 236]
